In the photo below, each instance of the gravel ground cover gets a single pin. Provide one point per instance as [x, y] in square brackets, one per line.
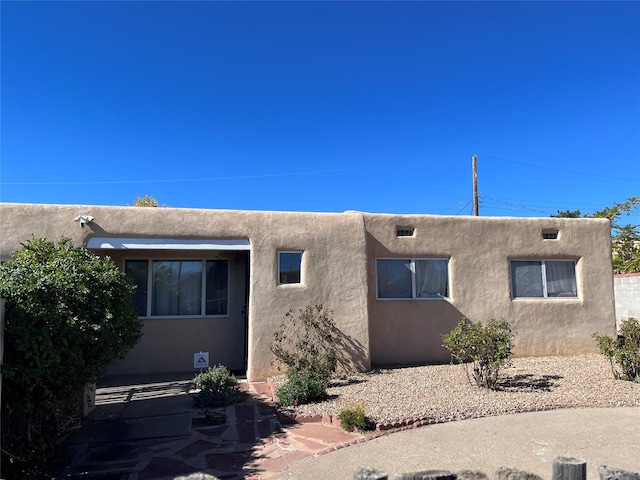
[443, 393]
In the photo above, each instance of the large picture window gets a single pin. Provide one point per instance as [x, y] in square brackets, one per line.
[543, 278]
[179, 287]
[412, 278]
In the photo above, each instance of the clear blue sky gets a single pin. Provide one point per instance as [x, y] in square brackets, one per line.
[322, 106]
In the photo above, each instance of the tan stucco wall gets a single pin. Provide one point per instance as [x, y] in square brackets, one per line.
[339, 271]
[333, 270]
[479, 248]
[333, 274]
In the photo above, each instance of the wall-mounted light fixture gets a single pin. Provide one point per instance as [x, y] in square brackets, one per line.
[84, 219]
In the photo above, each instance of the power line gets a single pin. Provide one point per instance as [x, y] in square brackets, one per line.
[513, 206]
[562, 169]
[185, 180]
[519, 206]
[464, 206]
[552, 204]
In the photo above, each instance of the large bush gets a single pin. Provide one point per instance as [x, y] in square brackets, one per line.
[625, 350]
[487, 345]
[304, 344]
[68, 316]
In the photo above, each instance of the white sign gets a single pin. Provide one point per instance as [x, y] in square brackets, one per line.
[201, 360]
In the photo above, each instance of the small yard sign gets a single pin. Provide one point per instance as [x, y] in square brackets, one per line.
[201, 360]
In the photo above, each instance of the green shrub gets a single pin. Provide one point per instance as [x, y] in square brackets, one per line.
[68, 316]
[625, 350]
[487, 345]
[304, 344]
[218, 387]
[353, 417]
[302, 387]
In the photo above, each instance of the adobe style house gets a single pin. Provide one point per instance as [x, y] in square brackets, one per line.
[221, 281]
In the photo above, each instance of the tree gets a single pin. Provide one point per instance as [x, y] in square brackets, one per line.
[68, 315]
[625, 239]
[626, 249]
[629, 206]
[147, 201]
[567, 214]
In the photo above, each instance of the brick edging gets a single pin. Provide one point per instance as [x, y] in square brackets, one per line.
[389, 427]
[386, 427]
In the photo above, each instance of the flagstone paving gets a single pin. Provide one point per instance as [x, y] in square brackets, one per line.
[152, 432]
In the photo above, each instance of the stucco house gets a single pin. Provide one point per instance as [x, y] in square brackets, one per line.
[220, 281]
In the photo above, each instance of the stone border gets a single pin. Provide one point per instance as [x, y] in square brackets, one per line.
[388, 427]
[380, 428]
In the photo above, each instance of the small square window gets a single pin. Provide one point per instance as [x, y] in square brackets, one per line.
[289, 267]
[550, 234]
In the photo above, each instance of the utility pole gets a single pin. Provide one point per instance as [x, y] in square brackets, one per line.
[474, 166]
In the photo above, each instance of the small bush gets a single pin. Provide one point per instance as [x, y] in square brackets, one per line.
[487, 345]
[304, 343]
[625, 350]
[302, 387]
[354, 417]
[218, 387]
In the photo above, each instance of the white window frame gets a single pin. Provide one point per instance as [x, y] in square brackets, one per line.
[412, 269]
[280, 252]
[543, 273]
[203, 286]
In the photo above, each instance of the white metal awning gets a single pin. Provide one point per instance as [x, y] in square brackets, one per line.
[166, 244]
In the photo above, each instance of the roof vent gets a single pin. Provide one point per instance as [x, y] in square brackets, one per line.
[550, 234]
[404, 232]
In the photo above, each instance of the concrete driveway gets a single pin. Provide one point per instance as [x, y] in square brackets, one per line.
[526, 441]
